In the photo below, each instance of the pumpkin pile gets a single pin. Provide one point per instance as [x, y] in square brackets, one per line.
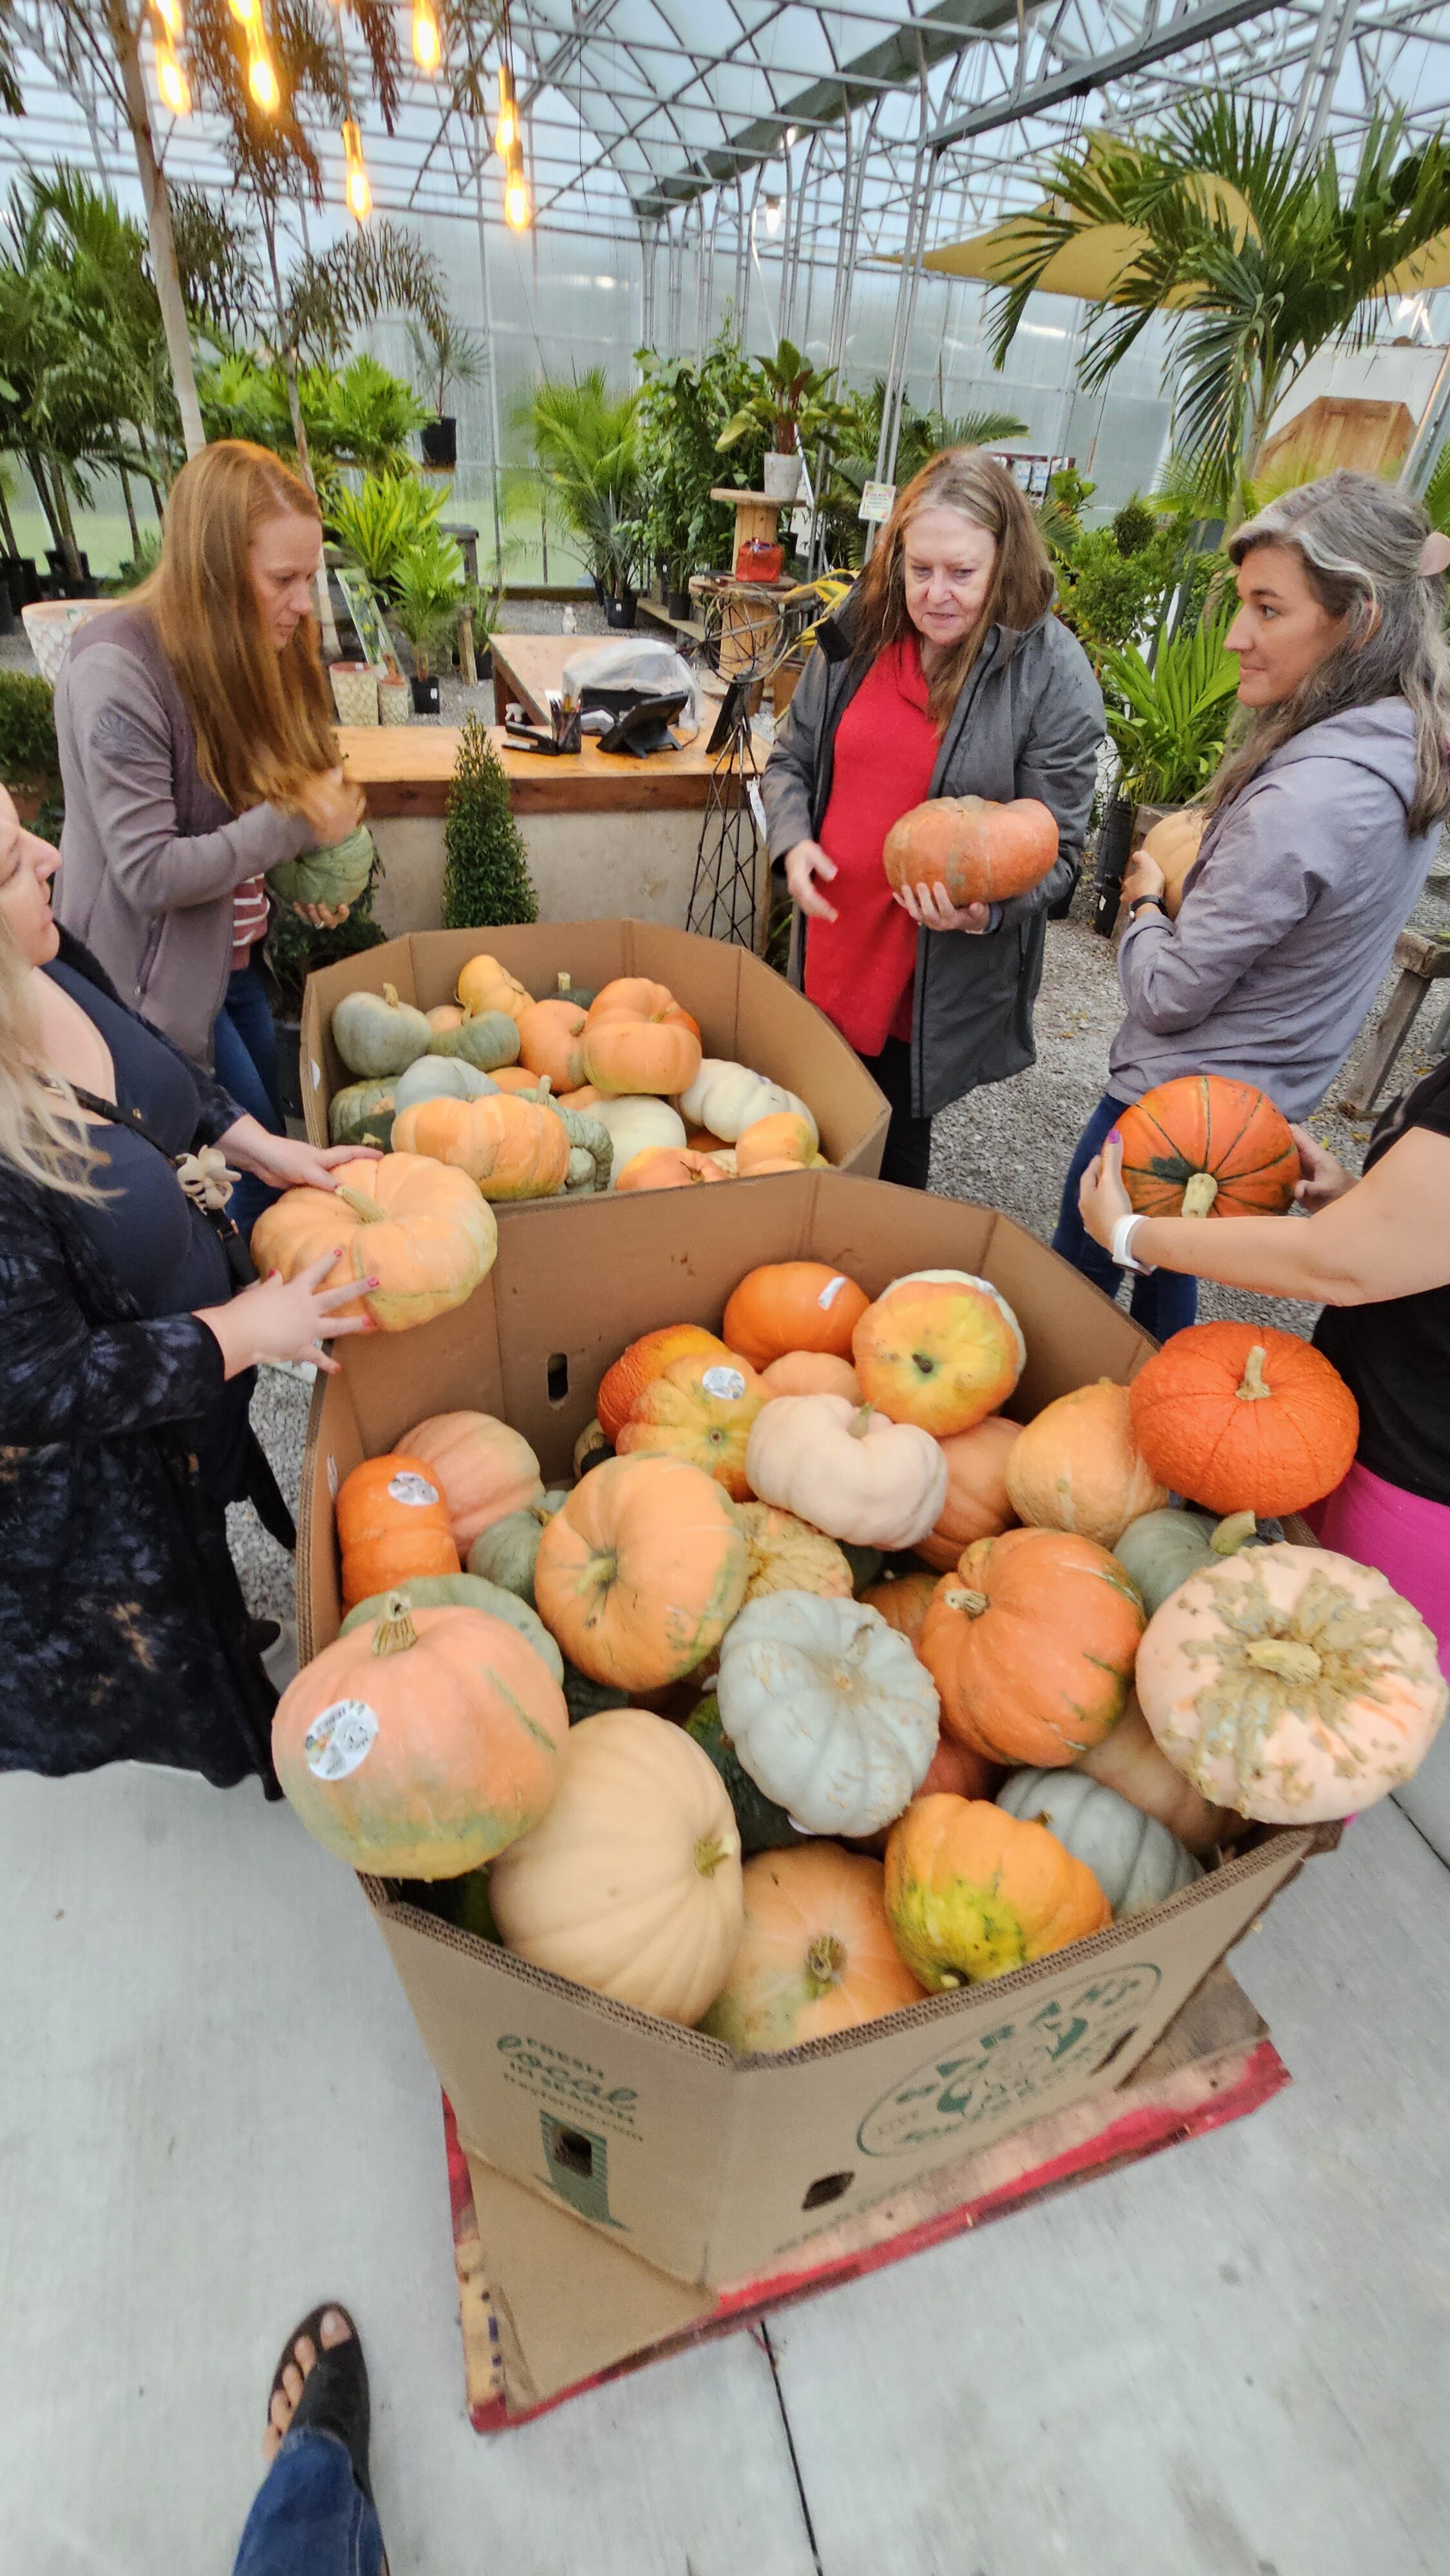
[825, 1686]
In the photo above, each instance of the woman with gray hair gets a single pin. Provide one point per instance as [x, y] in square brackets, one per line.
[1321, 822]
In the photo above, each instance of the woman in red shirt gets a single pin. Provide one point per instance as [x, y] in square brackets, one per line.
[944, 674]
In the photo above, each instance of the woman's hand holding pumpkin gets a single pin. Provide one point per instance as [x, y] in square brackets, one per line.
[1101, 1198]
[1323, 1177]
[288, 1162]
[931, 908]
[286, 1319]
[803, 865]
[332, 805]
[1142, 877]
[323, 916]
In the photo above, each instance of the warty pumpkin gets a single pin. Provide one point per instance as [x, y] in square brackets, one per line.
[1134, 1859]
[793, 1306]
[1077, 1466]
[977, 1503]
[392, 1522]
[1243, 1418]
[816, 1954]
[846, 1470]
[668, 1167]
[512, 1148]
[828, 1709]
[727, 1098]
[484, 1468]
[422, 1743]
[643, 1361]
[375, 1033]
[786, 1555]
[1292, 1684]
[971, 1893]
[549, 1042]
[1129, 1760]
[461, 1592]
[485, 985]
[940, 1348]
[1031, 1645]
[701, 1409]
[424, 1233]
[631, 1883]
[641, 1571]
[1202, 1145]
[638, 1038]
[811, 1373]
[981, 852]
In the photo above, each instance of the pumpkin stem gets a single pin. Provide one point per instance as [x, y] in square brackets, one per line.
[825, 1962]
[860, 1422]
[366, 1210]
[711, 1849]
[1292, 1663]
[1230, 1534]
[395, 1631]
[1199, 1192]
[390, 996]
[1254, 1386]
[974, 1603]
[566, 984]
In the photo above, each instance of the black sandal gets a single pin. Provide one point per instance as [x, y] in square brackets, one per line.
[334, 2395]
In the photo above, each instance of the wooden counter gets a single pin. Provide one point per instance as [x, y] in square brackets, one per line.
[407, 769]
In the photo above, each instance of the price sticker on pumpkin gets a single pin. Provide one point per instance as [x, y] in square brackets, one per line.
[409, 1487]
[831, 1292]
[727, 1383]
[341, 1738]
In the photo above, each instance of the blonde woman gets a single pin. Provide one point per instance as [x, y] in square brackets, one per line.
[197, 752]
[944, 674]
[125, 1368]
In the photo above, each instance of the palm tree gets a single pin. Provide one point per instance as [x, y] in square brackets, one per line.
[586, 440]
[1256, 255]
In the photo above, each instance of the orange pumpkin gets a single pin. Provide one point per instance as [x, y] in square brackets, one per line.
[903, 1601]
[701, 1409]
[422, 1743]
[425, 1234]
[549, 1042]
[485, 1470]
[793, 1306]
[638, 1038]
[514, 1077]
[978, 1504]
[1031, 1645]
[584, 1098]
[621, 1387]
[513, 1149]
[641, 1571]
[444, 1015]
[392, 1523]
[1174, 843]
[1240, 1417]
[981, 852]
[703, 1140]
[940, 1349]
[812, 1373]
[957, 1772]
[782, 1142]
[816, 1954]
[485, 985]
[667, 1167]
[1078, 1467]
[1205, 1146]
[972, 1892]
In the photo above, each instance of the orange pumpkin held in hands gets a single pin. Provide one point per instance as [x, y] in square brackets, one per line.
[1174, 843]
[981, 852]
[641, 1571]
[1240, 1417]
[667, 1167]
[940, 1348]
[392, 1522]
[978, 1504]
[812, 1373]
[700, 1409]
[425, 1234]
[793, 1306]
[1205, 1146]
[621, 1387]
[1077, 1466]
[1031, 1645]
[638, 1038]
[484, 1469]
[972, 1892]
[549, 1042]
[512, 1149]
[816, 1955]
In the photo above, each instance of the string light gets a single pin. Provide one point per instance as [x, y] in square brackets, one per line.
[261, 79]
[359, 191]
[516, 202]
[168, 12]
[506, 131]
[427, 43]
[171, 80]
[245, 11]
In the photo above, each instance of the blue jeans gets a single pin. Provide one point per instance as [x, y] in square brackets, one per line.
[308, 2517]
[1162, 1303]
[244, 1050]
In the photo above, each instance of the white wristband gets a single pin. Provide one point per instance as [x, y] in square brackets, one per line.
[1122, 1253]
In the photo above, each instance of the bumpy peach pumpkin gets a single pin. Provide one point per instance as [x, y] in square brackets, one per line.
[849, 1472]
[786, 1555]
[668, 1167]
[1244, 1419]
[939, 1349]
[1031, 1645]
[978, 1504]
[638, 1038]
[512, 1148]
[972, 1893]
[816, 1954]
[793, 1306]
[422, 1743]
[811, 1373]
[1292, 1684]
[485, 1469]
[392, 1522]
[641, 1571]
[981, 852]
[1078, 1467]
[700, 1409]
[549, 1042]
[621, 1387]
[425, 1234]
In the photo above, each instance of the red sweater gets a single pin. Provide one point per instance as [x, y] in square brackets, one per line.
[860, 969]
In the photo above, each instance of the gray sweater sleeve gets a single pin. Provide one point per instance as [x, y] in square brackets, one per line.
[787, 788]
[123, 743]
[1268, 864]
[1059, 766]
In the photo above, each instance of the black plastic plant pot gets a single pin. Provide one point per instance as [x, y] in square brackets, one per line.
[1114, 842]
[440, 440]
[21, 577]
[57, 563]
[623, 610]
[289, 1068]
[425, 697]
[677, 603]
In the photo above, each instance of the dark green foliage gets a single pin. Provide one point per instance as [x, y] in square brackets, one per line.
[486, 880]
[27, 729]
[295, 950]
[1110, 593]
[763, 1825]
[1134, 526]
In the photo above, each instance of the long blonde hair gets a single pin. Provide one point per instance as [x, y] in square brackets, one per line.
[965, 479]
[42, 1131]
[262, 719]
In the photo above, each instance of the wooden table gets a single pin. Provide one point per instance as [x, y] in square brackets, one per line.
[526, 668]
[408, 769]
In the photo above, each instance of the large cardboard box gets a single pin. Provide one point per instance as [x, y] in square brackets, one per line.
[708, 2165]
[746, 1012]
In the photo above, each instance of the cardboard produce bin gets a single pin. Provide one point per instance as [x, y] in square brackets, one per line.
[746, 1012]
[708, 2165]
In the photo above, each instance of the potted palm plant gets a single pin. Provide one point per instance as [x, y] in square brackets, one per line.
[1168, 716]
[587, 444]
[428, 592]
[792, 402]
[446, 355]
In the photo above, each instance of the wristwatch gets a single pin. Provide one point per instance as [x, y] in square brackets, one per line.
[1122, 1245]
[1141, 902]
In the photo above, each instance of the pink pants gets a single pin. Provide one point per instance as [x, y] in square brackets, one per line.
[1405, 1536]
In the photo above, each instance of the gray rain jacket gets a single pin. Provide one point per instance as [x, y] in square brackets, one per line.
[1029, 722]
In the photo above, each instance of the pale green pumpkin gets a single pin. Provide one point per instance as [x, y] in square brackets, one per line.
[1162, 1549]
[375, 1033]
[363, 1113]
[508, 1550]
[336, 875]
[1135, 1860]
[464, 1592]
[486, 1039]
[438, 1077]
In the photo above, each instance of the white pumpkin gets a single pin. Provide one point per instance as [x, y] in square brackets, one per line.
[1134, 1858]
[828, 1709]
[847, 1470]
[727, 1098]
[636, 1121]
[630, 1884]
[440, 1077]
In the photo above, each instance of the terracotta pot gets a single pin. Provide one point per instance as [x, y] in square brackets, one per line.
[395, 701]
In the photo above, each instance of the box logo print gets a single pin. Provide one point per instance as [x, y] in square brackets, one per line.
[1014, 2064]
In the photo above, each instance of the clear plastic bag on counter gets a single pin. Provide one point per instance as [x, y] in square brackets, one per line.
[635, 664]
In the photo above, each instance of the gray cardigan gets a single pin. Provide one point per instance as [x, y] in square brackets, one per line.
[1290, 915]
[1028, 723]
[150, 855]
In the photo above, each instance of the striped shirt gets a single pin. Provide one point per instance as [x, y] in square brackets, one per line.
[249, 919]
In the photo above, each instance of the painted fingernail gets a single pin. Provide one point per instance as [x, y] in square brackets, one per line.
[1115, 1135]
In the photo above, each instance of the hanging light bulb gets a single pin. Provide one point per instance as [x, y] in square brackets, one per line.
[245, 11]
[772, 214]
[168, 15]
[171, 80]
[427, 43]
[262, 80]
[506, 131]
[516, 202]
[359, 191]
